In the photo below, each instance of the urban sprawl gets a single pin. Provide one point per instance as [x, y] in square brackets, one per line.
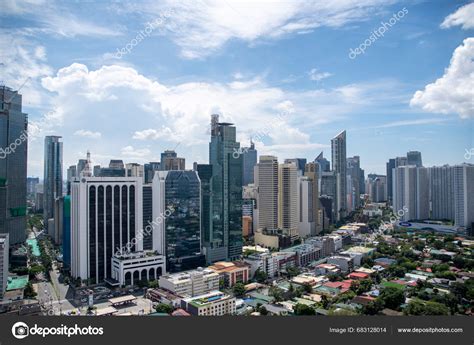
[242, 235]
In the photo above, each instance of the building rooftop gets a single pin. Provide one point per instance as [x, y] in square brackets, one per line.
[211, 297]
[15, 283]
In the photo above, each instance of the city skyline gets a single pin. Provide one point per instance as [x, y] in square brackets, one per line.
[159, 94]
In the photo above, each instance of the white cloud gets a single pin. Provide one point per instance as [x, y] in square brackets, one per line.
[315, 75]
[131, 152]
[464, 16]
[52, 19]
[88, 134]
[201, 28]
[453, 93]
[133, 111]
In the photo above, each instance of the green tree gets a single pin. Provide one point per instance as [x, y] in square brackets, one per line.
[372, 308]
[164, 308]
[303, 309]
[29, 292]
[392, 297]
[262, 310]
[260, 276]
[276, 293]
[239, 289]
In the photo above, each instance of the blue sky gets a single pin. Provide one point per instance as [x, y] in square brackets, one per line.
[282, 67]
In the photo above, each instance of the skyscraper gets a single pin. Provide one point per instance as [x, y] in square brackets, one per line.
[300, 164]
[225, 240]
[312, 172]
[414, 158]
[464, 195]
[323, 163]
[411, 192]
[288, 199]
[106, 232]
[13, 158]
[389, 167]
[355, 174]
[180, 192]
[53, 175]
[150, 169]
[442, 192]
[249, 155]
[71, 175]
[306, 224]
[338, 160]
[171, 161]
[266, 181]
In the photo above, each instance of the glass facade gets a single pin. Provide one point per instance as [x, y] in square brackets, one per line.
[13, 126]
[183, 224]
[225, 238]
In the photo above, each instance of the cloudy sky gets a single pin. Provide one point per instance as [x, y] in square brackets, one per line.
[128, 80]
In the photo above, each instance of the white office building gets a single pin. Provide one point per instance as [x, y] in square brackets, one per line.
[306, 222]
[411, 192]
[129, 269]
[190, 283]
[464, 195]
[288, 199]
[106, 219]
[266, 181]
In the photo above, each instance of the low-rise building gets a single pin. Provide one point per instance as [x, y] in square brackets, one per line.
[214, 303]
[129, 269]
[163, 296]
[305, 253]
[345, 263]
[231, 273]
[359, 253]
[190, 283]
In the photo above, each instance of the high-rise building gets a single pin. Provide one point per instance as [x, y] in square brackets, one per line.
[339, 166]
[107, 234]
[355, 174]
[116, 169]
[328, 189]
[414, 158]
[53, 175]
[180, 193]
[464, 195]
[312, 171]
[376, 187]
[306, 223]
[323, 163]
[31, 183]
[150, 169]
[135, 170]
[171, 161]
[71, 175]
[442, 192]
[411, 193]
[57, 233]
[13, 127]
[249, 156]
[300, 164]
[288, 199]
[4, 250]
[81, 164]
[389, 167]
[266, 181]
[96, 170]
[225, 242]
[147, 215]
[67, 231]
